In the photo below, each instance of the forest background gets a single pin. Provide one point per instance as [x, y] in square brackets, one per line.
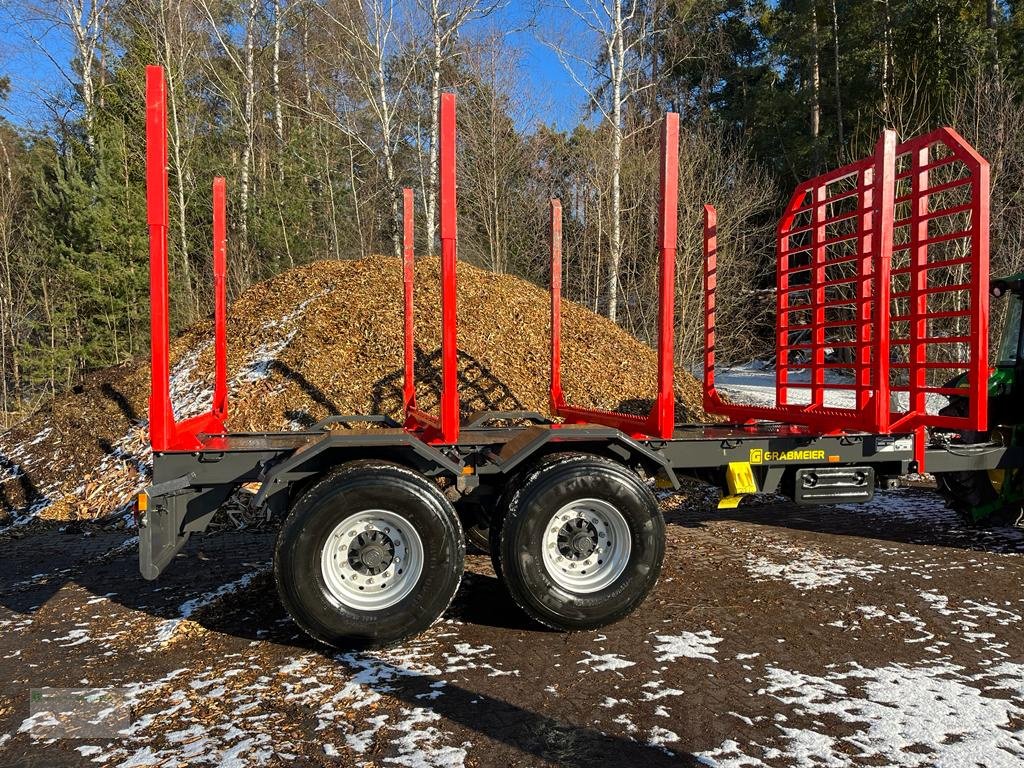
[319, 111]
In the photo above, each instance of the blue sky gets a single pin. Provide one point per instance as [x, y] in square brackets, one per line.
[35, 69]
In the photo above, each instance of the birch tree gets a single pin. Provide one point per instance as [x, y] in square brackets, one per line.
[445, 19]
[83, 22]
[245, 66]
[610, 82]
[369, 39]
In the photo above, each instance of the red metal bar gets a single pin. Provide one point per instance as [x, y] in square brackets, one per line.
[220, 298]
[939, 212]
[978, 375]
[408, 275]
[926, 167]
[664, 415]
[883, 194]
[557, 395]
[819, 245]
[918, 280]
[660, 422]
[449, 257]
[941, 187]
[161, 415]
[711, 398]
[443, 428]
[877, 305]
[166, 434]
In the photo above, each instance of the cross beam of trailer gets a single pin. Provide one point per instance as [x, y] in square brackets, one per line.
[371, 545]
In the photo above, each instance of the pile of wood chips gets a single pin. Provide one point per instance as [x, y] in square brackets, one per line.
[322, 339]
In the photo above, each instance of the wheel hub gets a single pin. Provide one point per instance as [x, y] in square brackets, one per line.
[577, 539]
[371, 560]
[586, 545]
[371, 553]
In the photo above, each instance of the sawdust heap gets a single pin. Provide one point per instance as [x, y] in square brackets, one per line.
[320, 339]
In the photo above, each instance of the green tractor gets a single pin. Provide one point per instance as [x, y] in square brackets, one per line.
[996, 496]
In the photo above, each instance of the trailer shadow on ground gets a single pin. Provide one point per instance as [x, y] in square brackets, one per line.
[80, 553]
[521, 695]
[915, 516]
[251, 612]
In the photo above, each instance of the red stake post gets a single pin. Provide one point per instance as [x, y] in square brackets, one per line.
[557, 396]
[449, 259]
[408, 275]
[660, 422]
[443, 428]
[161, 415]
[165, 434]
[220, 297]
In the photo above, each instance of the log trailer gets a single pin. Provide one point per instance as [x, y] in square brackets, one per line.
[882, 286]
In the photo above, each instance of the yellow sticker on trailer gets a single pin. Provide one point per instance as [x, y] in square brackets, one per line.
[761, 456]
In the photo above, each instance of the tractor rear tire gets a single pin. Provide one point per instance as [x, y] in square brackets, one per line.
[581, 543]
[368, 556]
[967, 492]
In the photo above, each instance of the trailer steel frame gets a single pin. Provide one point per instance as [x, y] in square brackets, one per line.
[198, 464]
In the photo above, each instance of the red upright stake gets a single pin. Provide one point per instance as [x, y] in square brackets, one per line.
[408, 274]
[161, 415]
[664, 415]
[220, 298]
[557, 395]
[883, 195]
[449, 339]
[710, 284]
[980, 273]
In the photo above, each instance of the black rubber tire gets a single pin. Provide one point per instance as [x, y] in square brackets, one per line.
[553, 484]
[965, 492]
[478, 536]
[345, 491]
[475, 520]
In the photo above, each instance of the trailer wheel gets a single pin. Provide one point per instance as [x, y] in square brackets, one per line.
[475, 519]
[582, 542]
[369, 555]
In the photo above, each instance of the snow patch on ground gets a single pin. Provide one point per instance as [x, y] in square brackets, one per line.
[690, 645]
[807, 569]
[166, 629]
[605, 662]
[907, 715]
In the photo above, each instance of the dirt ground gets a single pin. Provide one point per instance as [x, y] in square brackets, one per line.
[878, 635]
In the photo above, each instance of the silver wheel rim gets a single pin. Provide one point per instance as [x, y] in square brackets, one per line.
[586, 546]
[371, 560]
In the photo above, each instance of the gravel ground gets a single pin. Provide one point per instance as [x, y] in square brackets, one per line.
[884, 634]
